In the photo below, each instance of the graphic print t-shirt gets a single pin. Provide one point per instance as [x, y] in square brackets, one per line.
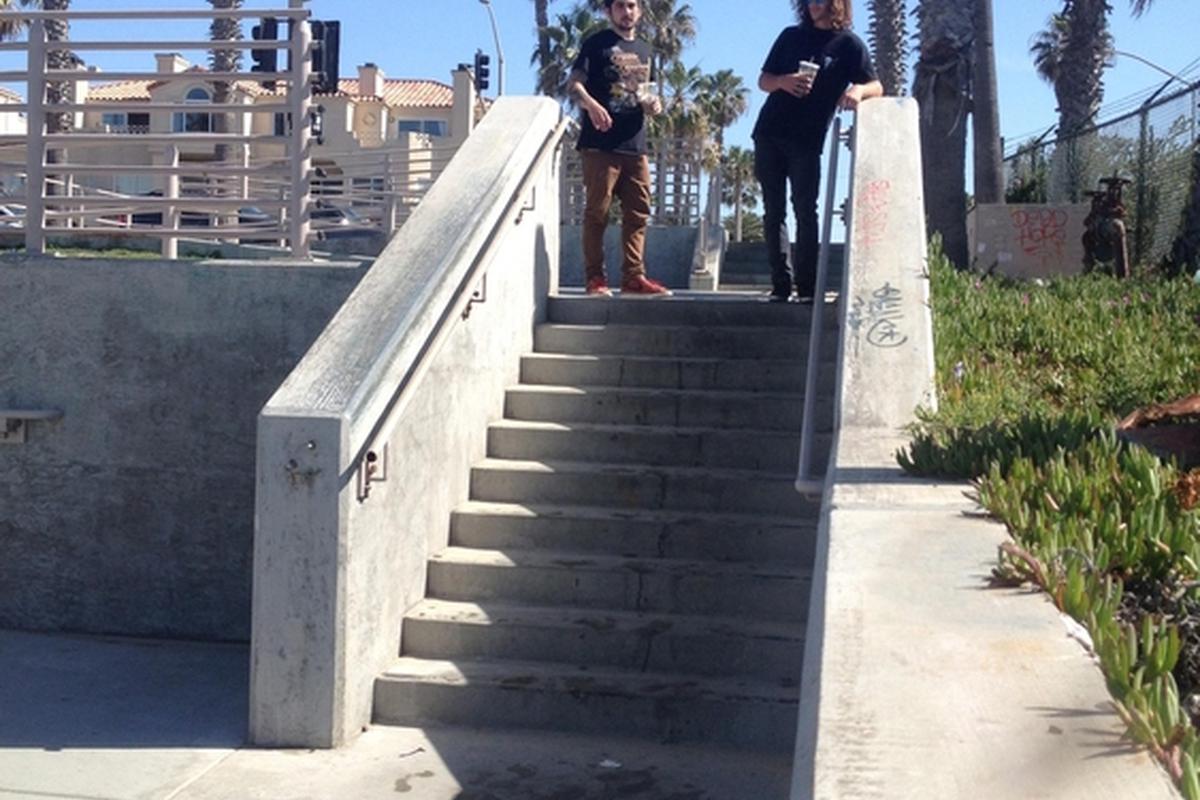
[843, 59]
[616, 70]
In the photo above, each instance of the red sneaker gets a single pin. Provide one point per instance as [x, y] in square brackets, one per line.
[641, 286]
[598, 286]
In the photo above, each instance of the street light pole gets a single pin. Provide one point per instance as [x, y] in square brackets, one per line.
[499, 49]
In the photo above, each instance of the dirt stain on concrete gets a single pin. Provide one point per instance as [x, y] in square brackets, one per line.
[403, 785]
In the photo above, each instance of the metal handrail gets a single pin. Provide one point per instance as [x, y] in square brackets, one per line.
[806, 482]
[362, 449]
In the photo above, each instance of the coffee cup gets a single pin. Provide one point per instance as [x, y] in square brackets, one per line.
[808, 68]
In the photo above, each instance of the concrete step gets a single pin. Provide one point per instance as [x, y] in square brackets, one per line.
[634, 534]
[665, 643]
[663, 372]
[664, 407]
[539, 577]
[638, 487]
[770, 451]
[739, 712]
[702, 309]
[679, 341]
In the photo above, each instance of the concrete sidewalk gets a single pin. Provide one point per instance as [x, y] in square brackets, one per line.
[86, 718]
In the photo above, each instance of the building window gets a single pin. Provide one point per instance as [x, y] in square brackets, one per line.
[193, 122]
[432, 127]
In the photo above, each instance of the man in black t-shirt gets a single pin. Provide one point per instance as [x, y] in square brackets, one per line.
[610, 80]
[813, 69]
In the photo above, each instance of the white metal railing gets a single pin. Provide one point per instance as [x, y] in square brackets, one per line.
[59, 169]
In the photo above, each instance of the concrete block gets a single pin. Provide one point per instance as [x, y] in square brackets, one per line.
[395, 358]
[887, 344]
[1028, 240]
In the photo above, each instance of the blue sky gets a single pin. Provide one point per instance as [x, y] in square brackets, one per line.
[426, 38]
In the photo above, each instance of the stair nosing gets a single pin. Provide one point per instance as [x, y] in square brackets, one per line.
[758, 629]
[600, 562]
[664, 515]
[486, 670]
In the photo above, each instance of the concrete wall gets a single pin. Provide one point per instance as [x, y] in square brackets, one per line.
[399, 373]
[133, 514]
[670, 252]
[1028, 240]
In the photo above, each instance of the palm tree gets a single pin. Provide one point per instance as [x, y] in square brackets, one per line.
[889, 43]
[738, 185]
[985, 115]
[669, 30]
[724, 99]
[59, 30]
[541, 18]
[1072, 54]
[224, 29]
[564, 40]
[683, 125]
[946, 30]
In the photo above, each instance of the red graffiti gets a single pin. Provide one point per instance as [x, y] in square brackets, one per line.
[871, 210]
[1041, 233]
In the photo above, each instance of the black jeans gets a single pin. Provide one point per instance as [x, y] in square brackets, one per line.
[778, 162]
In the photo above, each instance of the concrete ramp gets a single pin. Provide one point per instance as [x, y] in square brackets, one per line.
[919, 681]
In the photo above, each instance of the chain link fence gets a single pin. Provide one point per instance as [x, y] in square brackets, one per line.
[1154, 147]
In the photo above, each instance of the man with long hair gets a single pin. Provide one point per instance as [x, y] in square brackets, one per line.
[813, 69]
[610, 81]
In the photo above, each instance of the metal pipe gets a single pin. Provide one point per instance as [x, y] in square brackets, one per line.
[805, 482]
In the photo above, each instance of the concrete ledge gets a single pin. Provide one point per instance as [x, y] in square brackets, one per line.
[919, 680]
[411, 369]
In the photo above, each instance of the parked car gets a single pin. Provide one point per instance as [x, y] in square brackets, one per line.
[335, 222]
[11, 217]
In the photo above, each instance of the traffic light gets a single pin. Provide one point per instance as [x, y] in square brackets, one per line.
[481, 71]
[327, 45]
[265, 59]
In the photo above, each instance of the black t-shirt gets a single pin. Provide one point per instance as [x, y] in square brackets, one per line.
[614, 68]
[843, 59]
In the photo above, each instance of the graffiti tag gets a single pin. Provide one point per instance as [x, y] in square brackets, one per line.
[880, 316]
[871, 210]
[1041, 233]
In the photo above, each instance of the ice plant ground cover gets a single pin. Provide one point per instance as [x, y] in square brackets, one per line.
[1032, 378]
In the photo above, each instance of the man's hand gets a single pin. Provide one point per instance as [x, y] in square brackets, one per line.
[859, 92]
[599, 116]
[796, 84]
[652, 105]
[851, 99]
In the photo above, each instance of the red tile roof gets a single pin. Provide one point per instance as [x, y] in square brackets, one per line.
[397, 93]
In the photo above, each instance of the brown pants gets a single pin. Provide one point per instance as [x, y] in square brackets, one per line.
[628, 177]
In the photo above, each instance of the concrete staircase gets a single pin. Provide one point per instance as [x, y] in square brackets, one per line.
[634, 559]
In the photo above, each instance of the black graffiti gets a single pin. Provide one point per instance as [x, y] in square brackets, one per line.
[880, 315]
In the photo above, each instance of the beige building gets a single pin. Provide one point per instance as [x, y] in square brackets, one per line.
[400, 119]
